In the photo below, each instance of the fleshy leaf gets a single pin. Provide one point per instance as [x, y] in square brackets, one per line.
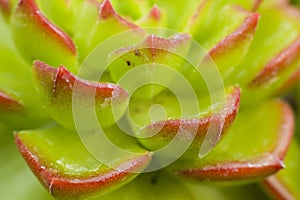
[216, 28]
[159, 134]
[174, 10]
[17, 87]
[275, 66]
[98, 22]
[6, 38]
[151, 54]
[39, 39]
[253, 148]
[234, 47]
[108, 17]
[84, 25]
[7, 103]
[284, 29]
[62, 13]
[278, 73]
[67, 170]
[132, 9]
[56, 86]
[285, 184]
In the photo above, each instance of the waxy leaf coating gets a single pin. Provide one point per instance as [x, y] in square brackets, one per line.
[194, 130]
[251, 150]
[38, 38]
[57, 87]
[7, 103]
[153, 53]
[251, 43]
[65, 168]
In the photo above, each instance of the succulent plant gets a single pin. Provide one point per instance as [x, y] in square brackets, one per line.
[149, 99]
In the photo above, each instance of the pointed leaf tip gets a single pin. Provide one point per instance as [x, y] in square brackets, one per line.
[30, 8]
[5, 6]
[7, 103]
[244, 32]
[107, 11]
[57, 87]
[155, 13]
[155, 18]
[278, 64]
[234, 47]
[38, 38]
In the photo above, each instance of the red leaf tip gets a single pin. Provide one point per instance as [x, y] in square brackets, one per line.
[242, 33]
[32, 12]
[5, 6]
[7, 103]
[106, 9]
[278, 64]
[155, 13]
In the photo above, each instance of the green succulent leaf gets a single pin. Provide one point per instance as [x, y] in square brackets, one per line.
[173, 10]
[67, 170]
[284, 29]
[153, 53]
[19, 99]
[98, 22]
[246, 153]
[58, 88]
[277, 74]
[132, 9]
[57, 10]
[194, 130]
[234, 47]
[7, 103]
[216, 28]
[38, 38]
[250, 47]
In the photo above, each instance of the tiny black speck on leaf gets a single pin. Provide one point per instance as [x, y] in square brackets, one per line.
[153, 180]
[128, 62]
